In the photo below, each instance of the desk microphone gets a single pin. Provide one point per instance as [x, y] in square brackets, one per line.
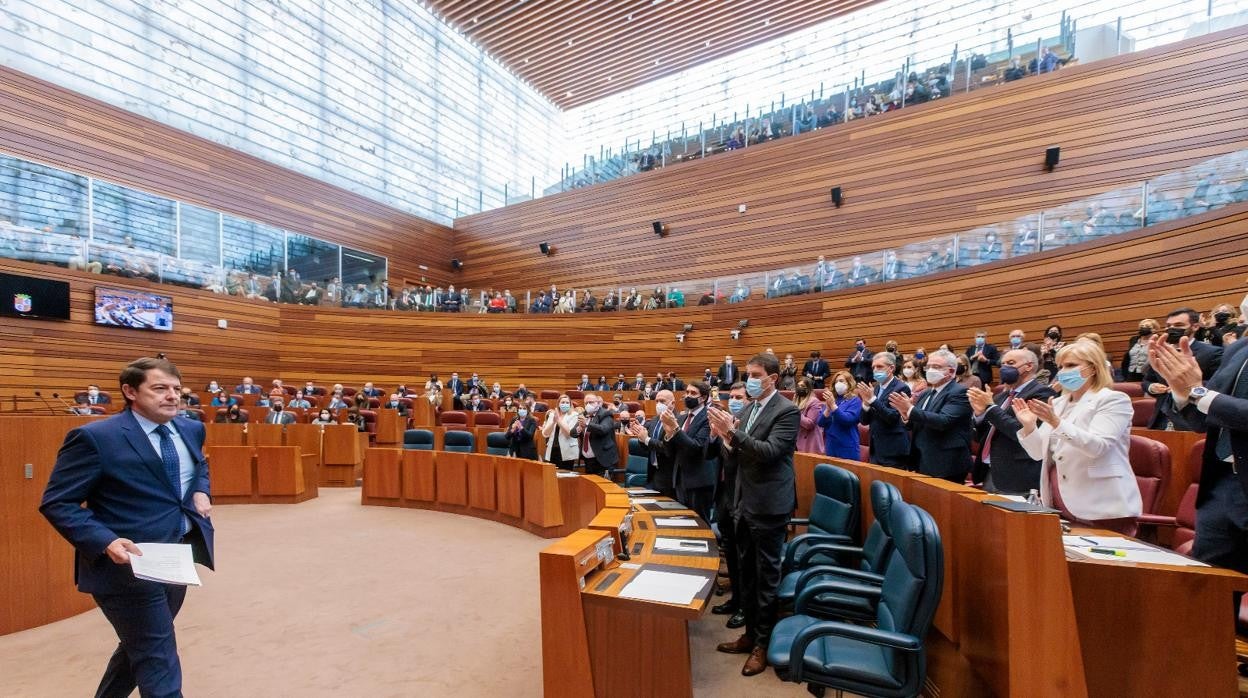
[45, 402]
[68, 407]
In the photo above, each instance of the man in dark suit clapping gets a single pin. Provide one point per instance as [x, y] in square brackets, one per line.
[983, 357]
[137, 477]
[939, 421]
[816, 370]
[688, 438]
[890, 439]
[762, 440]
[598, 449]
[1005, 466]
[661, 469]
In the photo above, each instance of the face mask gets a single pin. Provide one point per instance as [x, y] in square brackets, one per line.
[1071, 379]
[522, 413]
[754, 387]
[907, 372]
[1009, 375]
[277, 407]
[1016, 341]
[802, 390]
[324, 416]
[1145, 331]
[860, 346]
[979, 341]
[961, 369]
[691, 403]
[1174, 334]
[935, 375]
[1055, 336]
[920, 356]
[880, 376]
[564, 407]
[1221, 318]
[660, 408]
[93, 393]
[841, 387]
[591, 408]
[735, 405]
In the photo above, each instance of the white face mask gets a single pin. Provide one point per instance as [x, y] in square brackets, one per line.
[935, 375]
[907, 372]
[660, 408]
[841, 387]
[591, 408]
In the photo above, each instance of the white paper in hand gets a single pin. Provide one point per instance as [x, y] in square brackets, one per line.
[169, 563]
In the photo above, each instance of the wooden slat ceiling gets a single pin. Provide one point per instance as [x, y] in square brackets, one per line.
[578, 51]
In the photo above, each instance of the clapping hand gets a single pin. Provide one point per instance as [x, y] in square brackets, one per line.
[902, 403]
[829, 400]
[1024, 415]
[1176, 364]
[864, 392]
[722, 423]
[1044, 412]
[636, 430]
[980, 399]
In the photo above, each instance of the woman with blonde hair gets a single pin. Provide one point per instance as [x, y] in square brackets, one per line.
[809, 435]
[559, 429]
[913, 377]
[1083, 438]
[1135, 358]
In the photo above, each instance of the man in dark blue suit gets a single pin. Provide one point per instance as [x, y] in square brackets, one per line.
[939, 420]
[890, 440]
[983, 357]
[143, 478]
[687, 438]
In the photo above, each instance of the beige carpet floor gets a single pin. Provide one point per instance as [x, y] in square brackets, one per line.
[329, 598]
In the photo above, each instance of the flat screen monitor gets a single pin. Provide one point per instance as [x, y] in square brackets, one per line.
[139, 310]
[32, 297]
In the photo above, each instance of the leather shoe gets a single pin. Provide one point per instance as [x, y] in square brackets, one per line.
[724, 609]
[757, 663]
[736, 621]
[741, 645]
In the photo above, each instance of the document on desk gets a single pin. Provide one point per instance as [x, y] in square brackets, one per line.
[676, 521]
[671, 505]
[567, 473]
[1117, 542]
[1119, 549]
[635, 491]
[644, 500]
[683, 545]
[664, 587]
[169, 563]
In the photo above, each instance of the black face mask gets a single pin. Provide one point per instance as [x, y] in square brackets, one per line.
[1174, 334]
[1145, 331]
[961, 369]
[1055, 336]
[691, 403]
[802, 390]
[277, 408]
[1221, 318]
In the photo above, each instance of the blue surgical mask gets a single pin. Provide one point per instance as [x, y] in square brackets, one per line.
[880, 376]
[735, 405]
[564, 407]
[522, 413]
[1016, 341]
[1071, 379]
[979, 341]
[754, 387]
[920, 356]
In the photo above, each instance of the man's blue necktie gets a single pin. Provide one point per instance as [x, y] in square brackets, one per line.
[169, 454]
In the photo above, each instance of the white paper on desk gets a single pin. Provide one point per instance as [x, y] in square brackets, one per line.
[1115, 542]
[674, 521]
[664, 587]
[1014, 497]
[672, 505]
[643, 500]
[681, 545]
[633, 491]
[566, 473]
[170, 563]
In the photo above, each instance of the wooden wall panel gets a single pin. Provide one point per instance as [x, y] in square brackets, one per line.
[50, 124]
[1104, 286]
[929, 170]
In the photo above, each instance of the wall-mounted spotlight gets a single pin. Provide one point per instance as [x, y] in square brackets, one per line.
[735, 334]
[456, 264]
[743, 324]
[680, 337]
[688, 327]
[545, 248]
[660, 228]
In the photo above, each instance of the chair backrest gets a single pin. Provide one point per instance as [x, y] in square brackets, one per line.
[878, 544]
[406, 402]
[540, 407]
[638, 457]
[1185, 517]
[1143, 408]
[370, 421]
[548, 395]
[453, 417]
[349, 392]
[486, 419]
[459, 441]
[913, 577]
[496, 443]
[632, 406]
[836, 506]
[1133, 390]
[575, 395]
[864, 436]
[787, 395]
[1151, 462]
[418, 440]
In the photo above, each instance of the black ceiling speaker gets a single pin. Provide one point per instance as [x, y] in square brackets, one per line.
[1051, 156]
[456, 264]
[660, 228]
[544, 247]
[836, 197]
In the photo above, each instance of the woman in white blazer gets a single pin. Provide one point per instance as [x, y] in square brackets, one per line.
[1083, 438]
[561, 449]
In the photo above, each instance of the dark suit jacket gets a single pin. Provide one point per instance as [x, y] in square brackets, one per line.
[728, 375]
[941, 432]
[245, 389]
[1210, 359]
[690, 449]
[456, 386]
[521, 443]
[860, 369]
[601, 428]
[889, 437]
[100, 399]
[983, 369]
[283, 418]
[766, 484]
[819, 370]
[1225, 412]
[1013, 471]
[111, 466]
[373, 392]
[661, 473]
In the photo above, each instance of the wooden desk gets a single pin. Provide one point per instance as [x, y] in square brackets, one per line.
[259, 475]
[342, 456]
[390, 427]
[423, 413]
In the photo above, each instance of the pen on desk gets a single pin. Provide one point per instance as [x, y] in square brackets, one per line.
[1088, 540]
[1109, 551]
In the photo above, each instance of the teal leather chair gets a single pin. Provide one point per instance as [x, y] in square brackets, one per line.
[458, 441]
[835, 513]
[635, 466]
[418, 440]
[496, 444]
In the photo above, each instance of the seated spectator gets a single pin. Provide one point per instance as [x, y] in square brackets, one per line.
[475, 404]
[830, 117]
[676, 299]
[394, 403]
[370, 390]
[337, 402]
[647, 393]
[1015, 71]
[191, 398]
[324, 417]
[567, 304]
[602, 385]
[610, 303]
[94, 396]
[452, 302]
[633, 302]
[277, 388]
[247, 387]
[1083, 438]
[739, 295]
[860, 274]
[707, 298]
[588, 302]
[233, 415]
[508, 405]
[299, 401]
[222, 399]
[1048, 61]
[990, 249]
[498, 304]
